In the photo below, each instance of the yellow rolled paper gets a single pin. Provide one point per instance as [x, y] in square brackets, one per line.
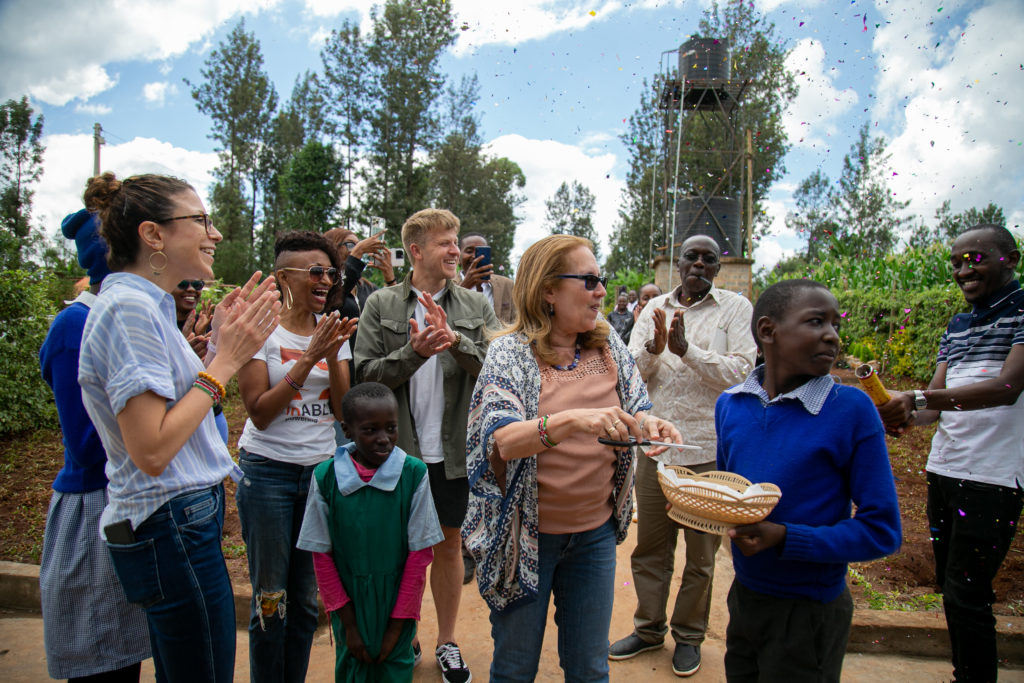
[871, 384]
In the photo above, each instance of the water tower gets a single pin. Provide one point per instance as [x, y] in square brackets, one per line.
[702, 171]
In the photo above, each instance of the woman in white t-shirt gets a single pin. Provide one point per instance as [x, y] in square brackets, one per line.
[292, 390]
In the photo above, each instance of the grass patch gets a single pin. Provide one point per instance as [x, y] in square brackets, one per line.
[896, 600]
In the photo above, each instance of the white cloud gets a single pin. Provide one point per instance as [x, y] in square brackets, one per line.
[156, 93]
[332, 8]
[547, 164]
[318, 37]
[69, 166]
[953, 90]
[93, 109]
[95, 34]
[812, 115]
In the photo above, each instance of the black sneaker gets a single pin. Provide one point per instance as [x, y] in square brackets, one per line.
[630, 646]
[417, 654]
[686, 659]
[453, 667]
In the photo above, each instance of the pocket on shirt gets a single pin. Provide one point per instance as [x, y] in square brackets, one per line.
[469, 327]
[395, 332]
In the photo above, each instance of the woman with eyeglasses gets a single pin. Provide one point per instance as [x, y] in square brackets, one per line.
[548, 502]
[292, 389]
[150, 398]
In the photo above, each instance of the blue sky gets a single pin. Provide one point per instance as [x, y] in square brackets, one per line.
[941, 81]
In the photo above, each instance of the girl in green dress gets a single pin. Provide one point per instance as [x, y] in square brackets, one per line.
[370, 524]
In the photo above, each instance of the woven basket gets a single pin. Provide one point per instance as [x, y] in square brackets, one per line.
[716, 511]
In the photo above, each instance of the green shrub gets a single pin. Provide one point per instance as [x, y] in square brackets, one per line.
[26, 309]
[902, 330]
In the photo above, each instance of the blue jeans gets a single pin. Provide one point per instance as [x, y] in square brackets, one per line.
[579, 569]
[282, 618]
[175, 571]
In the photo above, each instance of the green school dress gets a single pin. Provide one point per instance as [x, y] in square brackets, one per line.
[368, 529]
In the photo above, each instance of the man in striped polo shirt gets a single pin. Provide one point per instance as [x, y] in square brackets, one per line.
[976, 465]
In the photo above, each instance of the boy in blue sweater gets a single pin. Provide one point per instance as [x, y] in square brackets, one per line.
[823, 444]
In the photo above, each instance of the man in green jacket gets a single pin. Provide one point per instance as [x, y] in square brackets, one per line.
[425, 338]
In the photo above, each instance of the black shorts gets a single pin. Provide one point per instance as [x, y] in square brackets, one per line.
[451, 496]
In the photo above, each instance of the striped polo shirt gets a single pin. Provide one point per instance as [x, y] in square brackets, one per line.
[985, 445]
[131, 345]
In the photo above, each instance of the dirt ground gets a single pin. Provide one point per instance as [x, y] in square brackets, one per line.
[30, 461]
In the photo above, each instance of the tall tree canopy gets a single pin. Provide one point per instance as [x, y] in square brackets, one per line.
[21, 158]
[570, 212]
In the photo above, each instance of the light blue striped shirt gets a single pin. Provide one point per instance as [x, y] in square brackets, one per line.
[132, 345]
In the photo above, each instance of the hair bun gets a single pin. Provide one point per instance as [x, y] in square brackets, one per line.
[100, 191]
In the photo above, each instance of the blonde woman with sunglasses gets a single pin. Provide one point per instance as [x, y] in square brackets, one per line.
[292, 390]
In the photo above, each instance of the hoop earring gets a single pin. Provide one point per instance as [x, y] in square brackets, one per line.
[288, 298]
[157, 270]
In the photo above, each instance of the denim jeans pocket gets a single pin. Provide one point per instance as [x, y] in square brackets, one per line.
[247, 458]
[200, 512]
[137, 570]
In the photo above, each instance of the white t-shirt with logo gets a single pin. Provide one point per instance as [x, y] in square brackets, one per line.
[302, 433]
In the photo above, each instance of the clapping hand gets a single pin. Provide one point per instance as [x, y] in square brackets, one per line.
[677, 343]
[328, 336]
[660, 340]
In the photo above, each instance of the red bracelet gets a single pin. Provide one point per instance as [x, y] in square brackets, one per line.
[295, 385]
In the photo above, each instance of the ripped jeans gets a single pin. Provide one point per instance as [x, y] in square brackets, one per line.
[283, 614]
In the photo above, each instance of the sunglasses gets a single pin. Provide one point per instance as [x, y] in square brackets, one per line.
[590, 282]
[316, 273]
[350, 245]
[201, 218]
[193, 284]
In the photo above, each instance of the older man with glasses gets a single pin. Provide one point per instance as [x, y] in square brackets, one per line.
[706, 349]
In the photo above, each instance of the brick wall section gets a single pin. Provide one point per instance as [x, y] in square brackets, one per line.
[736, 274]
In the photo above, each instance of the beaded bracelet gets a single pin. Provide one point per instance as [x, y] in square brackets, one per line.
[294, 385]
[214, 384]
[542, 429]
[203, 386]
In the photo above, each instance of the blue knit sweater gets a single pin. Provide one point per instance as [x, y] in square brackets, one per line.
[821, 463]
[84, 457]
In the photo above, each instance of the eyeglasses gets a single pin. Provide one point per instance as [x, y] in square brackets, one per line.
[202, 218]
[350, 245]
[316, 273]
[708, 259]
[590, 282]
[194, 284]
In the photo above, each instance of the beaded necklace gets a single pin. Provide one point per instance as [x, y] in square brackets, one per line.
[573, 364]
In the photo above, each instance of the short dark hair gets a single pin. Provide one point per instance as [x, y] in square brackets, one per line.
[306, 240]
[463, 236]
[364, 393]
[775, 301]
[1003, 238]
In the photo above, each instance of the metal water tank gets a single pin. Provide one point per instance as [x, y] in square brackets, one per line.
[705, 59]
[718, 217]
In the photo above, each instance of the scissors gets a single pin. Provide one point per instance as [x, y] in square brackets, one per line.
[633, 442]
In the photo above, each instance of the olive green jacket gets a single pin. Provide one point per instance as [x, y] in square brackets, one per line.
[384, 354]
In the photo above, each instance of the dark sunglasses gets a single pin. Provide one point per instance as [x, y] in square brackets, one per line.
[708, 259]
[194, 284]
[590, 282]
[316, 273]
[201, 218]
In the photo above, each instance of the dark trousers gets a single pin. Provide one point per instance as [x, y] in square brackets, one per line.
[772, 639]
[972, 526]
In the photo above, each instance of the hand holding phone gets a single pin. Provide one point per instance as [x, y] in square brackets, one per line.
[483, 258]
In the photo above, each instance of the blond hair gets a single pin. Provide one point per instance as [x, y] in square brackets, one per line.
[425, 221]
[537, 273]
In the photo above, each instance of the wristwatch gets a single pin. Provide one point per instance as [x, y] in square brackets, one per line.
[458, 339]
[920, 401]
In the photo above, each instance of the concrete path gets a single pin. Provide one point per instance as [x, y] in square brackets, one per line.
[22, 658]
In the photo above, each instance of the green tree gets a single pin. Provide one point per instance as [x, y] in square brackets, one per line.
[948, 226]
[21, 158]
[570, 212]
[870, 217]
[642, 206]
[238, 95]
[815, 216]
[404, 82]
[345, 85]
[310, 187]
[482, 191]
